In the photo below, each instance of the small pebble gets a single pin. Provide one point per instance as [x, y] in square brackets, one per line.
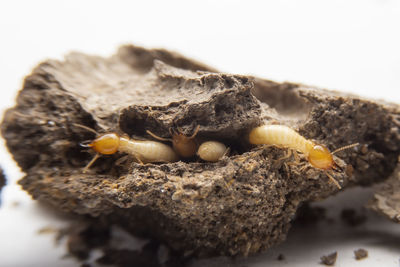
[330, 259]
[360, 254]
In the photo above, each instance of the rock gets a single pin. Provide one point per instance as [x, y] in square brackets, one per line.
[386, 199]
[360, 254]
[330, 259]
[240, 205]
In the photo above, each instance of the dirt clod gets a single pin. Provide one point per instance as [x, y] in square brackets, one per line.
[240, 205]
[360, 254]
[330, 259]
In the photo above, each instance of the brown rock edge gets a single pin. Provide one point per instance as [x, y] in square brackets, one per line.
[239, 205]
[386, 199]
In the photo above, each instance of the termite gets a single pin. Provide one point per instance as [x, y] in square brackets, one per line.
[184, 146]
[317, 155]
[142, 151]
[212, 151]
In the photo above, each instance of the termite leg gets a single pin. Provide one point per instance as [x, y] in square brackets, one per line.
[267, 146]
[336, 167]
[296, 156]
[304, 167]
[138, 159]
[121, 160]
[277, 163]
[158, 137]
[226, 152]
[288, 155]
[296, 160]
[287, 168]
[333, 180]
[91, 163]
[126, 157]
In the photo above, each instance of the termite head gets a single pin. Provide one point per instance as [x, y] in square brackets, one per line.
[320, 157]
[185, 146]
[105, 144]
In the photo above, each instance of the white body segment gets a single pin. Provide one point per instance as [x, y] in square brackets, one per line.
[211, 151]
[147, 151]
[281, 136]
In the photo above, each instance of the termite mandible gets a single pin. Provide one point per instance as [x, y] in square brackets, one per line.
[317, 155]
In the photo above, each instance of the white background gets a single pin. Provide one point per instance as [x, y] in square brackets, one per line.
[352, 46]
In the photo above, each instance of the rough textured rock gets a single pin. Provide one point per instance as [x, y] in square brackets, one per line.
[386, 199]
[239, 205]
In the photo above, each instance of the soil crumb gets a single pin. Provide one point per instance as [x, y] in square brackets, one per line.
[353, 218]
[330, 259]
[360, 254]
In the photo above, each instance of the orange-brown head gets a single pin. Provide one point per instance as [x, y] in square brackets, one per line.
[185, 146]
[320, 157]
[106, 144]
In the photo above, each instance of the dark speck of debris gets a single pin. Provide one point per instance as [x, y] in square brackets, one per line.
[310, 215]
[330, 259]
[281, 257]
[351, 218]
[360, 254]
[2, 180]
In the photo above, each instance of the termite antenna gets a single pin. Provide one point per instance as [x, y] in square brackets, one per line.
[86, 128]
[333, 180]
[195, 132]
[91, 163]
[345, 147]
[158, 137]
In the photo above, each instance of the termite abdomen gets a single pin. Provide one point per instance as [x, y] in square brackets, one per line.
[212, 151]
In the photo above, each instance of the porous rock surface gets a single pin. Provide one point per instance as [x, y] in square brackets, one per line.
[239, 205]
[386, 199]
